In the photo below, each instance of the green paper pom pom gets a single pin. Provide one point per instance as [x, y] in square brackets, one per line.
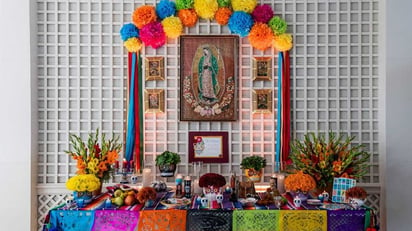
[278, 25]
[184, 4]
[223, 3]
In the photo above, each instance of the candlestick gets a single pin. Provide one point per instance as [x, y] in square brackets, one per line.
[124, 164]
[281, 183]
[147, 177]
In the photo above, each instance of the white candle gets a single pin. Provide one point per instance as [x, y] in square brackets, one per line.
[147, 177]
[196, 188]
[281, 183]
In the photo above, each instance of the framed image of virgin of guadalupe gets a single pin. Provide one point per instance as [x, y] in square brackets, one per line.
[208, 73]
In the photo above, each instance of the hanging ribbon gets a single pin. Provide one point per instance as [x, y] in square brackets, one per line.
[283, 111]
[134, 134]
[279, 114]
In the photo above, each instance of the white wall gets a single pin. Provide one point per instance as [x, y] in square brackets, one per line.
[398, 114]
[15, 116]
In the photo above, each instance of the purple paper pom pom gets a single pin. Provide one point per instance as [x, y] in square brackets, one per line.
[262, 13]
[240, 23]
[128, 31]
[153, 35]
[165, 8]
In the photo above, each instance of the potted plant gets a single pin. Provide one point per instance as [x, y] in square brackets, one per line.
[253, 166]
[167, 162]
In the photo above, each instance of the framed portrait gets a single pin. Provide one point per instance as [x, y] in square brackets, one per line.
[208, 73]
[208, 147]
[262, 101]
[262, 68]
[154, 68]
[154, 100]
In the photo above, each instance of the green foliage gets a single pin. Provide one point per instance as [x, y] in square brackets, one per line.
[255, 162]
[167, 157]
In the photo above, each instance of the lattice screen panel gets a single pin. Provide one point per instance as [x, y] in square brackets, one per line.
[82, 70]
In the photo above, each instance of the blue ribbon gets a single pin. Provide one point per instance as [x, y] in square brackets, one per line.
[130, 135]
[279, 115]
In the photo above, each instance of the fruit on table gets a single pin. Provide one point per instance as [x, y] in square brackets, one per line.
[118, 201]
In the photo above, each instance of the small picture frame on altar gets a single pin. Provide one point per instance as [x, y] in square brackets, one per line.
[154, 68]
[262, 101]
[262, 68]
[154, 100]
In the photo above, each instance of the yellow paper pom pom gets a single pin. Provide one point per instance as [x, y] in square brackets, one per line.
[282, 42]
[172, 26]
[222, 15]
[244, 5]
[206, 9]
[144, 15]
[261, 36]
[133, 44]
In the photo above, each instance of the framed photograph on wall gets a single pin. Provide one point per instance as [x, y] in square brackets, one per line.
[262, 68]
[208, 73]
[262, 101]
[154, 100]
[154, 68]
[208, 147]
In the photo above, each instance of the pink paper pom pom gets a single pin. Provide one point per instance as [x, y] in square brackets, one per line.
[262, 13]
[153, 35]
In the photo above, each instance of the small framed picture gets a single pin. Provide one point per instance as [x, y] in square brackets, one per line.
[154, 68]
[262, 101]
[209, 147]
[262, 68]
[154, 100]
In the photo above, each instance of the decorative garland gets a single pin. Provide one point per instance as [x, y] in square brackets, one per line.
[152, 25]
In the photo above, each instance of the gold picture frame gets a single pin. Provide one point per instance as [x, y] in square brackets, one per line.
[154, 100]
[262, 101]
[262, 68]
[154, 68]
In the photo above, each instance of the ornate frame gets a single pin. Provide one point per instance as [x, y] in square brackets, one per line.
[262, 68]
[262, 101]
[154, 69]
[154, 100]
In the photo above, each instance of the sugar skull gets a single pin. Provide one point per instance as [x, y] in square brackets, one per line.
[297, 201]
[219, 198]
[133, 178]
[205, 202]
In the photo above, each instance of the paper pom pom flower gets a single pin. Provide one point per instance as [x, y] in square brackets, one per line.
[222, 15]
[184, 4]
[282, 42]
[240, 23]
[206, 9]
[165, 8]
[262, 13]
[153, 35]
[244, 5]
[261, 36]
[128, 31]
[278, 25]
[223, 3]
[172, 26]
[188, 17]
[144, 15]
[133, 44]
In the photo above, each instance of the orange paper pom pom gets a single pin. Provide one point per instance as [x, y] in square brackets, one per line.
[188, 17]
[144, 15]
[261, 36]
[222, 15]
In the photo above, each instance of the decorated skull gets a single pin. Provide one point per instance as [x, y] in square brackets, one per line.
[297, 201]
[205, 202]
[219, 198]
[159, 186]
[133, 178]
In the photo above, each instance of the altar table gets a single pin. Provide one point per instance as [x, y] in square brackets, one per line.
[230, 216]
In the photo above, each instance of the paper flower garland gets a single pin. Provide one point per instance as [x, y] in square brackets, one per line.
[151, 25]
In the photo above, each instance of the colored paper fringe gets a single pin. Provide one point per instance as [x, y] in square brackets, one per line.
[244, 5]
[153, 35]
[261, 36]
[262, 13]
[206, 9]
[144, 15]
[172, 26]
[240, 23]
[128, 31]
[222, 15]
[188, 17]
[165, 8]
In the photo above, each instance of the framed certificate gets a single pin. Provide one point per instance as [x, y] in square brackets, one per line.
[208, 147]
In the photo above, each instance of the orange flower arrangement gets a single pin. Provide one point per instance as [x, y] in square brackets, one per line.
[300, 182]
[93, 159]
[356, 192]
[145, 194]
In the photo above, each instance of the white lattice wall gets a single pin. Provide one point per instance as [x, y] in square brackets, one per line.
[82, 73]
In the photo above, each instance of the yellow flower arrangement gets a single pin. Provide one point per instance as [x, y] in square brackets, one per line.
[91, 157]
[83, 182]
[300, 182]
